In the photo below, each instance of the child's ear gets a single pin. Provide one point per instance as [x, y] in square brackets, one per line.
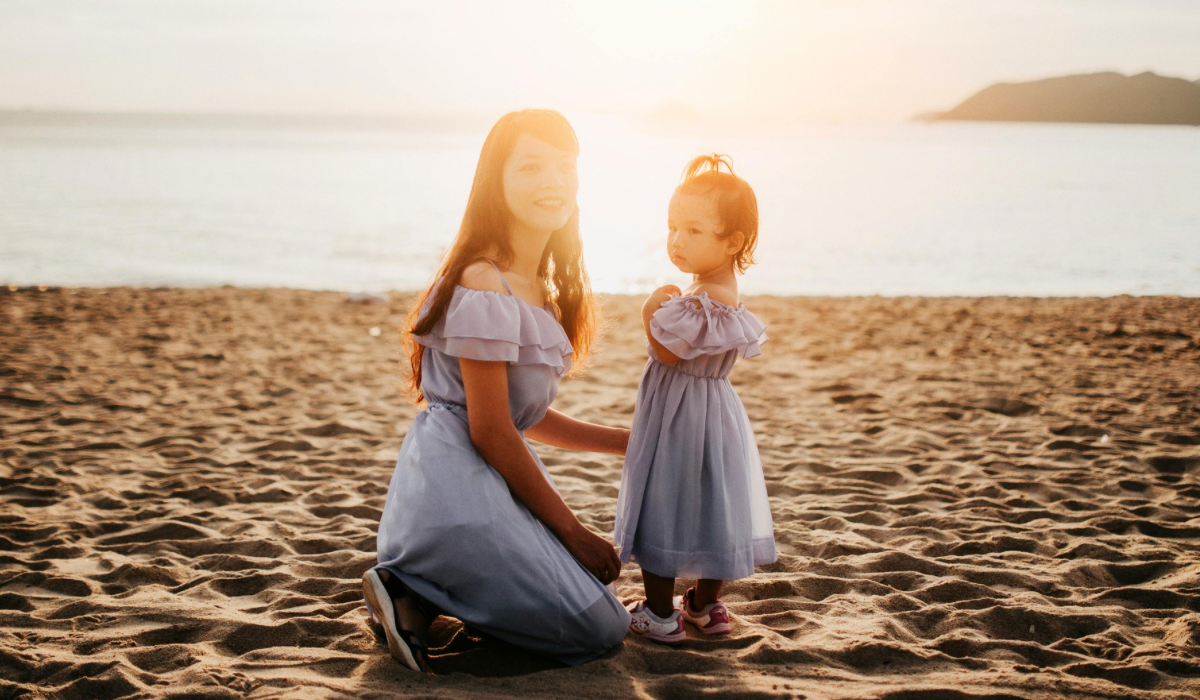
[734, 243]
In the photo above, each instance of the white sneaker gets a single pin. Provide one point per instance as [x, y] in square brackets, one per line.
[662, 630]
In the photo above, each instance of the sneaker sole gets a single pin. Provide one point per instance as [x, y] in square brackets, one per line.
[665, 639]
[713, 629]
[383, 612]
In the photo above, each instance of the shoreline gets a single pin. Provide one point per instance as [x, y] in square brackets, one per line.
[403, 293]
[973, 497]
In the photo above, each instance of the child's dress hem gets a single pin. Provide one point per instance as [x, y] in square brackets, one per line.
[717, 566]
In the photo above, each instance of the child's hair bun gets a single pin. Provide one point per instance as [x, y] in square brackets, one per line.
[736, 203]
[708, 163]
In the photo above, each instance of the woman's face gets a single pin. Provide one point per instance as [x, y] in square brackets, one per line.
[540, 184]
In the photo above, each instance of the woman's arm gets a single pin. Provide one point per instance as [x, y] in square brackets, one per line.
[497, 439]
[568, 433]
[652, 304]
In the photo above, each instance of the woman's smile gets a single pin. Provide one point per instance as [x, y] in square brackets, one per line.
[550, 203]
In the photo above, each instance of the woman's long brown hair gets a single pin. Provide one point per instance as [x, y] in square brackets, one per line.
[485, 228]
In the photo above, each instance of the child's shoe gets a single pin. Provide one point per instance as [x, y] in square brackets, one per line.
[712, 619]
[662, 630]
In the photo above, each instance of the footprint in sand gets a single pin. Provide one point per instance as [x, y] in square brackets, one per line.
[1170, 464]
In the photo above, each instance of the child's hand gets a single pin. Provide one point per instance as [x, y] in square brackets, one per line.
[658, 296]
[653, 303]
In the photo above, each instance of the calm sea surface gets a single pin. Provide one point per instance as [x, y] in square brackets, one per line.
[929, 209]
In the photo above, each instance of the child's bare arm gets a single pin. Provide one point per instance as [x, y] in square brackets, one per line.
[652, 304]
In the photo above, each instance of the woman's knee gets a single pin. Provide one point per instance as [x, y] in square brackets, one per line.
[609, 625]
[615, 633]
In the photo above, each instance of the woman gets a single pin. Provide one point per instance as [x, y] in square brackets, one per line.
[472, 526]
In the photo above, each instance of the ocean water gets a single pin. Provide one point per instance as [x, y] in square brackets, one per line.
[924, 209]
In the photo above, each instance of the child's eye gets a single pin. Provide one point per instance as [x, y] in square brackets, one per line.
[693, 231]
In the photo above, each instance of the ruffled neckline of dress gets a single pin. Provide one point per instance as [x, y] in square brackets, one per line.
[543, 308]
[494, 326]
[703, 297]
[713, 327]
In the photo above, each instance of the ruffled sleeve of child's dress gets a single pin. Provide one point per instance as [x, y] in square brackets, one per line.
[490, 326]
[694, 325]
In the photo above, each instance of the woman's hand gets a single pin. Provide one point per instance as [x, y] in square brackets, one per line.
[595, 553]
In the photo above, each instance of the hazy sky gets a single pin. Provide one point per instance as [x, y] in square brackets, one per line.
[774, 61]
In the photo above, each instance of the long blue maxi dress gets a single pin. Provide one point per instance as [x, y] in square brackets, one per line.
[693, 501]
[451, 529]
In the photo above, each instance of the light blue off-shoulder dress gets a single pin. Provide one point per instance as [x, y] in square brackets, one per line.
[451, 529]
[693, 501]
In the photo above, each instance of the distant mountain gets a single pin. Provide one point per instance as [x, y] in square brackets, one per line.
[1101, 98]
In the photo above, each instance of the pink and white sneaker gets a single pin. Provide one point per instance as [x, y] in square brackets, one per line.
[712, 619]
[667, 630]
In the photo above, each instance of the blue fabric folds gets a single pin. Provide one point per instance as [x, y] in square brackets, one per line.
[490, 326]
[695, 325]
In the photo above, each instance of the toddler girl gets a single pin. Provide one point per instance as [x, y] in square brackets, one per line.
[693, 502]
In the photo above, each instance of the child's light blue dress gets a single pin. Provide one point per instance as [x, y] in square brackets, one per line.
[452, 530]
[693, 501]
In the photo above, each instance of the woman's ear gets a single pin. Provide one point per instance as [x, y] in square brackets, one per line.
[734, 243]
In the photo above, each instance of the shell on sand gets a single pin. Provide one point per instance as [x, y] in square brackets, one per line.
[973, 498]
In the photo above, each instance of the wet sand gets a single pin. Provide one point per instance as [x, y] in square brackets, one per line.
[973, 498]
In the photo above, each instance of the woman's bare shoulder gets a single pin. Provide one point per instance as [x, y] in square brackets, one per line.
[482, 276]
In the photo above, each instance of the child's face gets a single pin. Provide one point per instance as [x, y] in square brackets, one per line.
[692, 242]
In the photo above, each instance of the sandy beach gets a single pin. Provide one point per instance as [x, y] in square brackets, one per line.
[973, 498]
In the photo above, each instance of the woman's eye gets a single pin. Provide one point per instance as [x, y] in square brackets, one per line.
[529, 168]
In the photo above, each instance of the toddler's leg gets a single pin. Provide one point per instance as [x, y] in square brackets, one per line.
[707, 592]
[656, 618]
[659, 590]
